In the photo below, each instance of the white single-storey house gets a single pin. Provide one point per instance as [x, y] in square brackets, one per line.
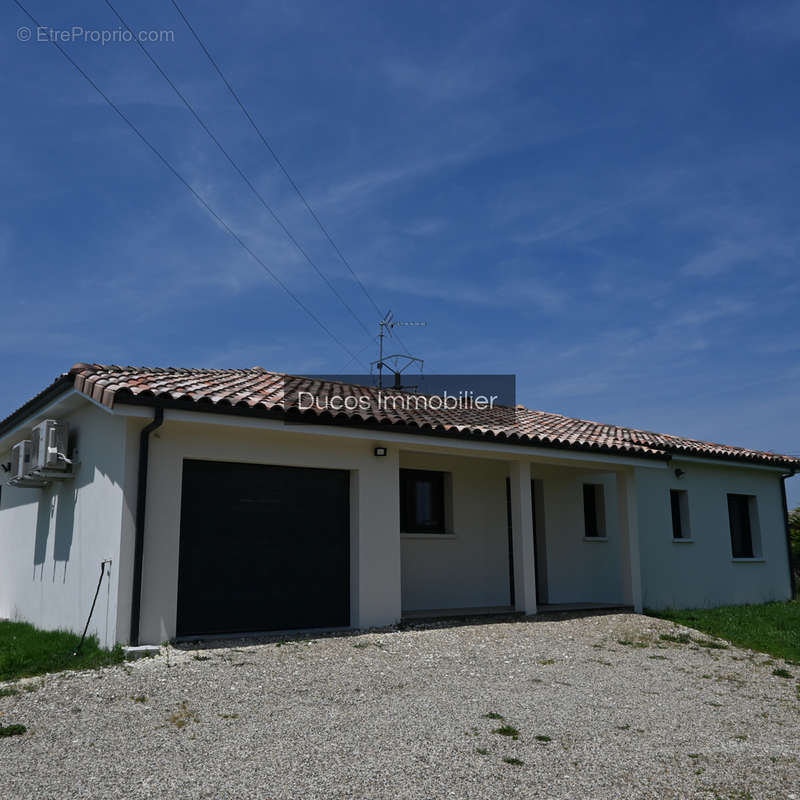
[217, 505]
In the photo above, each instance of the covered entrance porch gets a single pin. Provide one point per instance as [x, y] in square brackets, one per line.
[483, 534]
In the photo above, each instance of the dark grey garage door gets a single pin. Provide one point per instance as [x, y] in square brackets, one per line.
[262, 548]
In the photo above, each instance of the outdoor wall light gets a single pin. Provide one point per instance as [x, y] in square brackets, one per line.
[679, 473]
[380, 451]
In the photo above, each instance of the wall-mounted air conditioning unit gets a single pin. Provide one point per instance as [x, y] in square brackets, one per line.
[49, 446]
[21, 467]
[21, 459]
[43, 457]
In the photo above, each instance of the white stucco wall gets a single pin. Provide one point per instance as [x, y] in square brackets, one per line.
[467, 568]
[375, 514]
[52, 540]
[703, 573]
[580, 571]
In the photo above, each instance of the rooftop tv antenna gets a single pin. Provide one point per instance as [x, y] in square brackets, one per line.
[399, 362]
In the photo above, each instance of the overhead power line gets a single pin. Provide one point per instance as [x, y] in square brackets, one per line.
[194, 192]
[136, 38]
[360, 352]
[280, 164]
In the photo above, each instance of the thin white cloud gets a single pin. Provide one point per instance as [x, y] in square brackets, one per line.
[764, 251]
[424, 227]
[439, 85]
[361, 187]
[718, 258]
[711, 312]
[770, 21]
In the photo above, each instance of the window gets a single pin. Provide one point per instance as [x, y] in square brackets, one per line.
[422, 501]
[679, 502]
[744, 525]
[594, 511]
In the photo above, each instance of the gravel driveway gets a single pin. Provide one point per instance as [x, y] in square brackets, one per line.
[604, 707]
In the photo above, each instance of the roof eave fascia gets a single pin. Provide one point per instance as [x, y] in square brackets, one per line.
[329, 424]
[46, 404]
[733, 461]
[17, 423]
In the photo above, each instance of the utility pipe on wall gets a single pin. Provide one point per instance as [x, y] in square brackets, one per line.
[792, 582]
[141, 507]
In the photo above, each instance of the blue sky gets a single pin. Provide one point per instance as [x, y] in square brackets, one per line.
[601, 199]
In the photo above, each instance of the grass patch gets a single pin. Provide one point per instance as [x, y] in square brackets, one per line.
[482, 751]
[9, 691]
[514, 761]
[507, 730]
[139, 698]
[201, 658]
[26, 651]
[782, 673]
[629, 643]
[12, 730]
[183, 716]
[710, 644]
[543, 738]
[493, 715]
[772, 628]
[681, 638]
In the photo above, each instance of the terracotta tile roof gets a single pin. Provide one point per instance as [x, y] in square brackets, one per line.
[261, 392]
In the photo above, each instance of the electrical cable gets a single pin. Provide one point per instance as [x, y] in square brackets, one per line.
[194, 192]
[91, 610]
[280, 164]
[358, 354]
[137, 39]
